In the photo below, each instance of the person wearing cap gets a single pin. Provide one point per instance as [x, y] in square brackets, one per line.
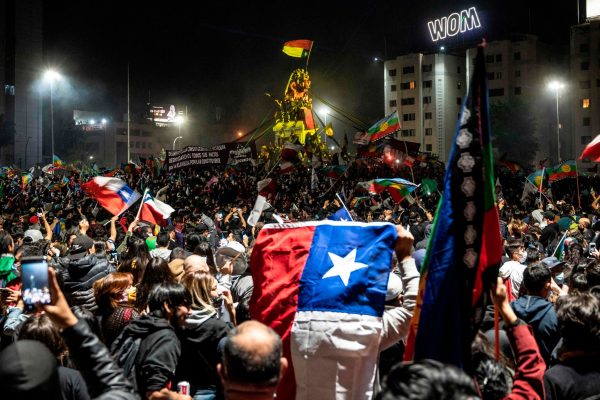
[556, 268]
[81, 269]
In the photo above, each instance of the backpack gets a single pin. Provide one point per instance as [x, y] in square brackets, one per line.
[126, 357]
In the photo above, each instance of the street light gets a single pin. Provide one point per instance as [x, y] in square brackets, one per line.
[174, 141]
[556, 86]
[52, 76]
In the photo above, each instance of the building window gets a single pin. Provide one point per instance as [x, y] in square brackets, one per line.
[496, 92]
[490, 76]
[428, 147]
[585, 103]
[408, 117]
[392, 103]
[586, 121]
[585, 66]
[584, 84]
[149, 145]
[427, 100]
[517, 55]
[584, 47]
[143, 145]
[518, 90]
[392, 72]
[427, 68]
[458, 84]
[428, 131]
[9, 90]
[498, 75]
[428, 115]
[459, 100]
[408, 101]
[427, 84]
[517, 74]
[408, 132]
[458, 69]
[489, 59]
[411, 85]
[408, 70]
[586, 139]
[393, 88]
[498, 58]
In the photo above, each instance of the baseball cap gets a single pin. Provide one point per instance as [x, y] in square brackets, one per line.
[552, 262]
[33, 234]
[80, 246]
[229, 253]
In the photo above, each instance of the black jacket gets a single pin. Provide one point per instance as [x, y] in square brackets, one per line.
[103, 377]
[78, 277]
[574, 378]
[199, 355]
[158, 353]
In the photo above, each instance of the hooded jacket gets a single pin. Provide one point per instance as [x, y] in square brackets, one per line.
[78, 277]
[540, 314]
[158, 353]
[199, 355]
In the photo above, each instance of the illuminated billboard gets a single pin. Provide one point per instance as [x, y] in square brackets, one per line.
[455, 23]
[165, 115]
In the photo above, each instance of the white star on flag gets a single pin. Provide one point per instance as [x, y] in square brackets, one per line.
[343, 267]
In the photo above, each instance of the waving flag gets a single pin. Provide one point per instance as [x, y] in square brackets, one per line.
[111, 193]
[155, 211]
[334, 171]
[57, 162]
[328, 280]
[341, 215]
[398, 188]
[25, 180]
[566, 169]
[385, 127]
[592, 150]
[297, 48]
[538, 179]
[465, 247]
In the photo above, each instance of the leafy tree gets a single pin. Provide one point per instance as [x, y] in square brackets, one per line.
[513, 129]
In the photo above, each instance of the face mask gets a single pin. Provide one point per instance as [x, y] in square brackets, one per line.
[523, 257]
[560, 278]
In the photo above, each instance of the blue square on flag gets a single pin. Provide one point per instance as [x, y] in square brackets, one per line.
[347, 268]
[340, 215]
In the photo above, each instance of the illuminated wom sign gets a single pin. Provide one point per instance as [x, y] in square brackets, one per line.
[451, 25]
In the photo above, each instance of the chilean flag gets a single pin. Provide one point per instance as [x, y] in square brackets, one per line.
[155, 211]
[321, 286]
[111, 193]
[592, 150]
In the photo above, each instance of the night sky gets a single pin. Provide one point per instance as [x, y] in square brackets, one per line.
[228, 54]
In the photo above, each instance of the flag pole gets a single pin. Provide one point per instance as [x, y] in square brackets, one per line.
[141, 205]
[577, 179]
[344, 205]
[308, 57]
[560, 241]
[542, 182]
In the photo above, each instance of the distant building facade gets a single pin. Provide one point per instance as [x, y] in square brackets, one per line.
[21, 64]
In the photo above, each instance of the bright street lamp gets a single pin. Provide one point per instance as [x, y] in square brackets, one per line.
[52, 76]
[103, 121]
[557, 86]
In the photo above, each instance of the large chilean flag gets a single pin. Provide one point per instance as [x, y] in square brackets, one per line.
[111, 193]
[321, 286]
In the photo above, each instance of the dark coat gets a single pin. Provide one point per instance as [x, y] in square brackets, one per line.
[78, 276]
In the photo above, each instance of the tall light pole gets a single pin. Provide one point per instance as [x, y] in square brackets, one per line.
[179, 120]
[557, 86]
[175, 141]
[51, 76]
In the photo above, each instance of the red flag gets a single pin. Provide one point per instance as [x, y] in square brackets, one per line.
[592, 150]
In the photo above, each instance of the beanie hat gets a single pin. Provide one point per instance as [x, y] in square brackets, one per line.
[29, 370]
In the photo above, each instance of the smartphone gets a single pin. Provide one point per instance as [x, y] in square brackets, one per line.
[592, 247]
[34, 278]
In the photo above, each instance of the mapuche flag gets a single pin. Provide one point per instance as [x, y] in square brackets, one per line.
[297, 48]
[566, 169]
[465, 247]
[398, 188]
[384, 127]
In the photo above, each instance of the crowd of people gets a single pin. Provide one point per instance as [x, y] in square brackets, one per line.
[140, 311]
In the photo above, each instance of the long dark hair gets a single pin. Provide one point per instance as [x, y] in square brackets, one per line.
[136, 258]
[157, 271]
